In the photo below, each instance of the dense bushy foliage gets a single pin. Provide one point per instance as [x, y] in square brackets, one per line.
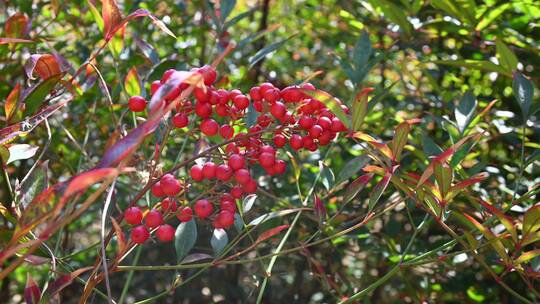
[265, 151]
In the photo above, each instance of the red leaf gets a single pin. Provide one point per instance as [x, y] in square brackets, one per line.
[127, 145]
[469, 181]
[111, 18]
[12, 101]
[32, 293]
[320, 209]
[178, 77]
[17, 26]
[63, 281]
[270, 233]
[4, 40]
[44, 65]
[87, 179]
[120, 236]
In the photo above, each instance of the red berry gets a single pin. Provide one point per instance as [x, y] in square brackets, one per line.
[137, 104]
[223, 96]
[168, 205]
[201, 95]
[268, 149]
[296, 141]
[280, 166]
[278, 109]
[139, 234]
[307, 141]
[167, 75]
[306, 122]
[170, 185]
[209, 74]
[226, 131]
[236, 162]
[209, 170]
[165, 233]
[133, 215]
[315, 131]
[232, 148]
[180, 120]
[255, 94]
[154, 87]
[224, 172]
[337, 125]
[228, 205]
[325, 122]
[153, 219]
[203, 110]
[203, 208]
[234, 93]
[223, 110]
[237, 192]
[157, 191]
[267, 159]
[258, 106]
[271, 95]
[226, 197]
[209, 127]
[196, 173]
[280, 140]
[241, 102]
[291, 94]
[184, 214]
[224, 219]
[242, 176]
[265, 87]
[250, 186]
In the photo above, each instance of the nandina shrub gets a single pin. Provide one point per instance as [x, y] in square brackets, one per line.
[241, 180]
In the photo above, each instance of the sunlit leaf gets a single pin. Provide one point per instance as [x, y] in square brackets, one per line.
[248, 202]
[491, 15]
[400, 140]
[268, 216]
[12, 102]
[531, 220]
[506, 57]
[267, 50]
[465, 110]
[21, 151]
[527, 256]
[482, 65]
[44, 65]
[132, 83]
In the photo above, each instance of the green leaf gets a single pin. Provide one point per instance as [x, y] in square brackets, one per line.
[132, 83]
[248, 202]
[238, 222]
[239, 17]
[492, 14]
[219, 241]
[531, 220]
[378, 190]
[327, 176]
[394, 13]
[185, 238]
[355, 187]
[506, 57]
[268, 216]
[443, 175]
[523, 92]
[527, 256]
[400, 140]
[351, 168]
[463, 10]
[481, 65]
[465, 110]
[36, 95]
[360, 108]
[225, 8]
[96, 14]
[267, 50]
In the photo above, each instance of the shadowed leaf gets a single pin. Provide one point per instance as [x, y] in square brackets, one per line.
[355, 187]
[185, 238]
[465, 110]
[506, 57]
[219, 240]
[62, 282]
[34, 97]
[17, 26]
[32, 292]
[523, 92]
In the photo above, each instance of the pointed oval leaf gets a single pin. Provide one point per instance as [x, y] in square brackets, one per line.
[352, 167]
[465, 110]
[32, 292]
[44, 65]
[219, 240]
[523, 92]
[270, 233]
[84, 180]
[21, 151]
[111, 17]
[248, 202]
[265, 217]
[355, 187]
[17, 25]
[33, 97]
[531, 220]
[12, 102]
[185, 238]
[194, 257]
[133, 83]
[506, 57]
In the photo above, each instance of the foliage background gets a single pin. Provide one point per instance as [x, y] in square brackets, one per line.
[423, 56]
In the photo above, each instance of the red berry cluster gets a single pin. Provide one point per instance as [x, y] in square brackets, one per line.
[285, 116]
